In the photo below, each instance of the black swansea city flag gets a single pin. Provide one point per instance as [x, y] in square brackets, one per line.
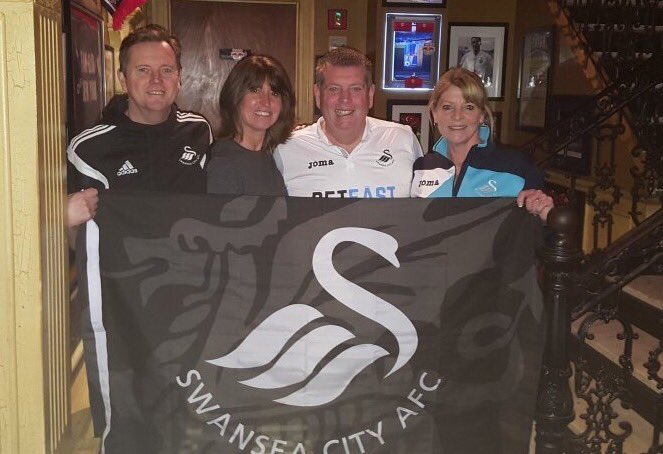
[260, 325]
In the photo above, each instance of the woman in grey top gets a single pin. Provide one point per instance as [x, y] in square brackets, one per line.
[257, 113]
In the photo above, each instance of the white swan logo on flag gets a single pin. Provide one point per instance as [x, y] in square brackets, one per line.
[297, 364]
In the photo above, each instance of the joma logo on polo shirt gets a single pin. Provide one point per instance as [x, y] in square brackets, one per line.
[321, 163]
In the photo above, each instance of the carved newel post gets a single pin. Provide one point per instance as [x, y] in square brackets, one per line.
[561, 256]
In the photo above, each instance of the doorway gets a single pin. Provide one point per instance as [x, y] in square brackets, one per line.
[208, 29]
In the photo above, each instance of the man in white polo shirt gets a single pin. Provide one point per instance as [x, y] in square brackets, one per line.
[346, 153]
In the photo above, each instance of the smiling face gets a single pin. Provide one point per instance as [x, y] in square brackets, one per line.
[457, 120]
[259, 109]
[152, 81]
[344, 98]
[476, 44]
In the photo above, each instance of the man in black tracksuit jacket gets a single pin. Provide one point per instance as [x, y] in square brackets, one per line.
[143, 141]
[119, 153]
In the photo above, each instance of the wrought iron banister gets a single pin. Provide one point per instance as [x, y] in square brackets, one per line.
[609, 270]
[623, 41]
[627, 37]
[630, 106]
[602, 118]
[570, 279]
[602, 385]
[583, 120]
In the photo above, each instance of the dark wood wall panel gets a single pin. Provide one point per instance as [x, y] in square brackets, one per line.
[204, 27]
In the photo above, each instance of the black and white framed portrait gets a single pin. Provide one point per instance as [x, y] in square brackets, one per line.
[481, 48]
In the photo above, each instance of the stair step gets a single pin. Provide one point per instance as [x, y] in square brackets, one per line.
[641, 303]
[611, 347]
[648, 289]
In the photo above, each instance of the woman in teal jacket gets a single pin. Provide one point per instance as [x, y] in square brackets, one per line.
[465, 163]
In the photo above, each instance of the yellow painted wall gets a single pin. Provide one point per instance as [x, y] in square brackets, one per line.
[22, 311]
[34, 361]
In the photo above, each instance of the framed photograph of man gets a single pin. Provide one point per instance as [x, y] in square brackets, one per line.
[415, 114]
[481, 48]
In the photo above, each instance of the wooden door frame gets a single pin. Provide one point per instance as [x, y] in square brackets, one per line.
[159, 12]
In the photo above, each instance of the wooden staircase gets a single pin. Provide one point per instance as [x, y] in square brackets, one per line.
[618, 44]
[601, 388]
[615, 341]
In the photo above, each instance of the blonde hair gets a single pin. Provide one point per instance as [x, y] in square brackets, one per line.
[470, 86]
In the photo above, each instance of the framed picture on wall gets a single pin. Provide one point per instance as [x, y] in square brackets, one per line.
[414, 3]
[415, 114]
[337, 41]
[337, 19]
[93, 7]
[412, 51]
[568, 113]
[109, 73]
[481, 48]
[534, 79]
[85, 81]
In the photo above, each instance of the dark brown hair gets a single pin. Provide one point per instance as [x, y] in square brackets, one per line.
[248, 74]
[343, 56]
[149, 34]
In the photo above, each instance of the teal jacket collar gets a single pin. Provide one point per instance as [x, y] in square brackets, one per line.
[441, 145]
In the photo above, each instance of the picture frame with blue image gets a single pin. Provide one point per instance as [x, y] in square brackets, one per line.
[412, 44]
